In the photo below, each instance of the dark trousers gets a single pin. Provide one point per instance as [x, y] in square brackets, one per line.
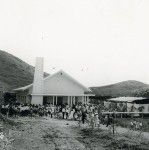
[63, 114]
[83, 118]
[109, 122]
[66, 115]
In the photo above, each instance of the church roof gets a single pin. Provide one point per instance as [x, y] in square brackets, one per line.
[87, 90]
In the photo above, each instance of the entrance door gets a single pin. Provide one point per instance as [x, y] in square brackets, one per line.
[59, 100]
[44, 100]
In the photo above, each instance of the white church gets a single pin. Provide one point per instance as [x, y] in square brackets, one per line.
[57, 89]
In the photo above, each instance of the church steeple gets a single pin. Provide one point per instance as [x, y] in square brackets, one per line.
[37, 93]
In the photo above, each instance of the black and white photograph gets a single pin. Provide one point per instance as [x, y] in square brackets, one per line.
[74, 74]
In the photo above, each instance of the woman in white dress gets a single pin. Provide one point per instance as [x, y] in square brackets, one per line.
[72, 114]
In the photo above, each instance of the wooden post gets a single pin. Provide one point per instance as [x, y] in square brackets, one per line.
[87, 99]
[74, 100]
[113, 125]
[68, 100]
[56, 100]
[53, 100]
[71, 101]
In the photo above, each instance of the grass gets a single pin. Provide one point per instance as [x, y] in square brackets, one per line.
[97, 137]
[125, 122]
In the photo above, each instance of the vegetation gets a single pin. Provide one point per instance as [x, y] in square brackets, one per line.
[14, 72]
[126, 88]
[93, 139]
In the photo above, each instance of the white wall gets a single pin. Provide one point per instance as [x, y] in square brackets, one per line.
[146, 107]
[60, 84]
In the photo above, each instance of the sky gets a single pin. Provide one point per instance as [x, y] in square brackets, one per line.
[98, 42]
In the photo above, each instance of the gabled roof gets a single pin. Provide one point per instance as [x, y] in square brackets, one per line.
[50, 76]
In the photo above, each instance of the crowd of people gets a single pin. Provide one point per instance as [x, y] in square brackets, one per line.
[83, 113]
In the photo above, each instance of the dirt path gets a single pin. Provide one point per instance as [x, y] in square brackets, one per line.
[54, 134]
[46, 134]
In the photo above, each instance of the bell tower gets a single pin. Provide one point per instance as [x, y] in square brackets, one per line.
[37, 92]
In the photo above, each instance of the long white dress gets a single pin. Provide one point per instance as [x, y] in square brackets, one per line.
[71, 114]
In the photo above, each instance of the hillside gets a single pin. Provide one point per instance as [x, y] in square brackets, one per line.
[14, 72]
[125, 88]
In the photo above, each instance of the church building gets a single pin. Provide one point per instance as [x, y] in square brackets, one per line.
[57, 89]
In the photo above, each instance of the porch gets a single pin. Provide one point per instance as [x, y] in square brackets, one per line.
[63, 100]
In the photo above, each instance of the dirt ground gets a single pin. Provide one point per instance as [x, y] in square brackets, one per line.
[55, 134]
[47, 134]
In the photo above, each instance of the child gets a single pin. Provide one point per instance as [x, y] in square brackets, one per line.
[97, 124]
[92, 120]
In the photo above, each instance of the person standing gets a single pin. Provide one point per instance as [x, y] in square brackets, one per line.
[97, 123]
[92, 121]
[63, 112]
[67, 112]
[84, 111]
[52, 111]
[79, 114]
[109, 120]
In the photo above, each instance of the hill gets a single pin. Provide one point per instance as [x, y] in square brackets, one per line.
[125, 88]
[14, 72]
